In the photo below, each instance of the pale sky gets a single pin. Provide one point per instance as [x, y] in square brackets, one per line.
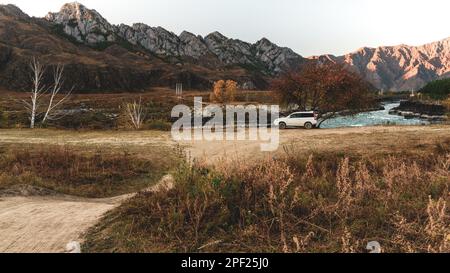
[309, 27]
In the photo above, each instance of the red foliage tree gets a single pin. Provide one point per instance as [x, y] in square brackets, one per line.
[327, 89]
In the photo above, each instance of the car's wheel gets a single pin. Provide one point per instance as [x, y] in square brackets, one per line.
[283, 125]
[308, 125]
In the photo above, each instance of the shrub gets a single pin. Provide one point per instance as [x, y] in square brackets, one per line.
[4, 119]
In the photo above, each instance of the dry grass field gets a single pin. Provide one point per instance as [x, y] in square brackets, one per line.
[323, 191]
[106, 111]
[54, 185]
[46, 168]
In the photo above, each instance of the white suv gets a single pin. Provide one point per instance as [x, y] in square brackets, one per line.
[298, 119]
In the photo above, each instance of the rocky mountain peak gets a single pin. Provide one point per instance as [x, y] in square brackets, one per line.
[217, 36]
[157, 40]
[89, 27]
[230, 51]
[75, 11]
[85, 25]
[12, 11]
[192, 45]
[264, 42]
[277, 58]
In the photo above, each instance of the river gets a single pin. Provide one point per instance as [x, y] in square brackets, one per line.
[373, 118]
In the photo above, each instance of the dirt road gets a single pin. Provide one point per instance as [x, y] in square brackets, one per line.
[47, 224]
[374, 139]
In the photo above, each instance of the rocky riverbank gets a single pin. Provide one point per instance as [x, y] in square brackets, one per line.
[417, 109]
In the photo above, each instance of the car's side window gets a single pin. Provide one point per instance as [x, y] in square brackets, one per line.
[307, 115]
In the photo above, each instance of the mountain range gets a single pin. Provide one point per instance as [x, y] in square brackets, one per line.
[398, 68]
[102, 56]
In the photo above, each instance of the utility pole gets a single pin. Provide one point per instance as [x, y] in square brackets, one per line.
[179, 90]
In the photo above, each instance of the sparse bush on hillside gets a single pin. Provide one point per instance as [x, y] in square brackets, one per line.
[327, 203]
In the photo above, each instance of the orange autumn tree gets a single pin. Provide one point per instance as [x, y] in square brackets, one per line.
[224, 91]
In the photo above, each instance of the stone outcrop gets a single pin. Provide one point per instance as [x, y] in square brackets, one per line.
[157, 40]
[83, 24]
[191, 45]
[277, 58]
[418, 109]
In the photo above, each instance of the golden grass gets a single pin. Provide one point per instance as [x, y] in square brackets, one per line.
[326, 202]
[82, 171]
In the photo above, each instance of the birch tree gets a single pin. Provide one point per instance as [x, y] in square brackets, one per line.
[53, 103]
[39, 91]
